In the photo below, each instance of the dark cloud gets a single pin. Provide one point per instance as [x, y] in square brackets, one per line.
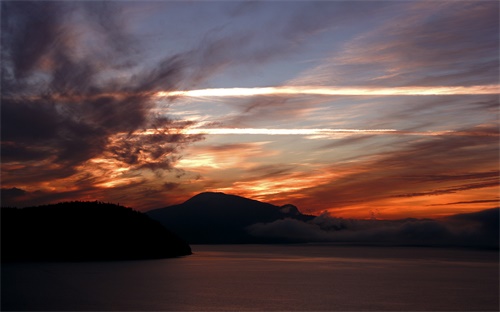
[63, 104]
[479, 229]
[20, 22]
[463, 187]
[168, 186]
[480, 201]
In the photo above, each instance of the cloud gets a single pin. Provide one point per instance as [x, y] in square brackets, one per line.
[479, 201]
[224, 158]
[312, 18]
[62, 101]
[409, 177]
[462, 187]
[423, 45]
[283, 32]
[68, 99]
[479, 229]
[332, 90]
[426, 169]
[241, 42]
[450, 43]
[259, 110]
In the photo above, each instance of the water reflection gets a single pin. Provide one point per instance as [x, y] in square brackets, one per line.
[253, 277]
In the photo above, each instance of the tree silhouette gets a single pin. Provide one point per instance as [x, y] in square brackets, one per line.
[85, 231]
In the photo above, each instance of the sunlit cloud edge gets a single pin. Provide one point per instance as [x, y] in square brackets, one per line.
[332, 90]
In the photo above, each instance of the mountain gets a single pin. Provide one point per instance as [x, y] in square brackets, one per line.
[218, 218]
[79, 231]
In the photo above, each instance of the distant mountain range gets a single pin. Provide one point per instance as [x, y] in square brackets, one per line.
[98, 231]
[80, 231]
[218, 218]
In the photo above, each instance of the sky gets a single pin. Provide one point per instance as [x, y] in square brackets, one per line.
[360, 109]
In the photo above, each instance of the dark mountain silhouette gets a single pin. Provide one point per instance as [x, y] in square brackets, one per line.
[218, 218]
[79, 231]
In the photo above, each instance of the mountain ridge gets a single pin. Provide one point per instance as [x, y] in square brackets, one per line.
[214, 217]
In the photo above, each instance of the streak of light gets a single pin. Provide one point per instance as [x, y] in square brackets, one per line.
[331, 132]
[279, 90]
[265, 131]
[329, 90]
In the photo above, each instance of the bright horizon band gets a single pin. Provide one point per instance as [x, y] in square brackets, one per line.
[326, 90]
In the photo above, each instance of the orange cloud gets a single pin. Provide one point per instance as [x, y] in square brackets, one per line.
[204, 159]
[438, 176]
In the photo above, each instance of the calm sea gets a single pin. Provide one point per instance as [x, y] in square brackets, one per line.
[263, 278]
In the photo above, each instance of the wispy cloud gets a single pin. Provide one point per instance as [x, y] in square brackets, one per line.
[405, 180]
[464, 163]
[470, 202]
[325, 90]
[324, 133]
[408, 55]
[457, 46]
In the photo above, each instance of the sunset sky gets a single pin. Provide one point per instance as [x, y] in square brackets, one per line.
[358, 108]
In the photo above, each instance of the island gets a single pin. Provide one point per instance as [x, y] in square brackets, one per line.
[85, 231]
[218, 218]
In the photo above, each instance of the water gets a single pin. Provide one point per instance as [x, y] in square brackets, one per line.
[263, 278]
